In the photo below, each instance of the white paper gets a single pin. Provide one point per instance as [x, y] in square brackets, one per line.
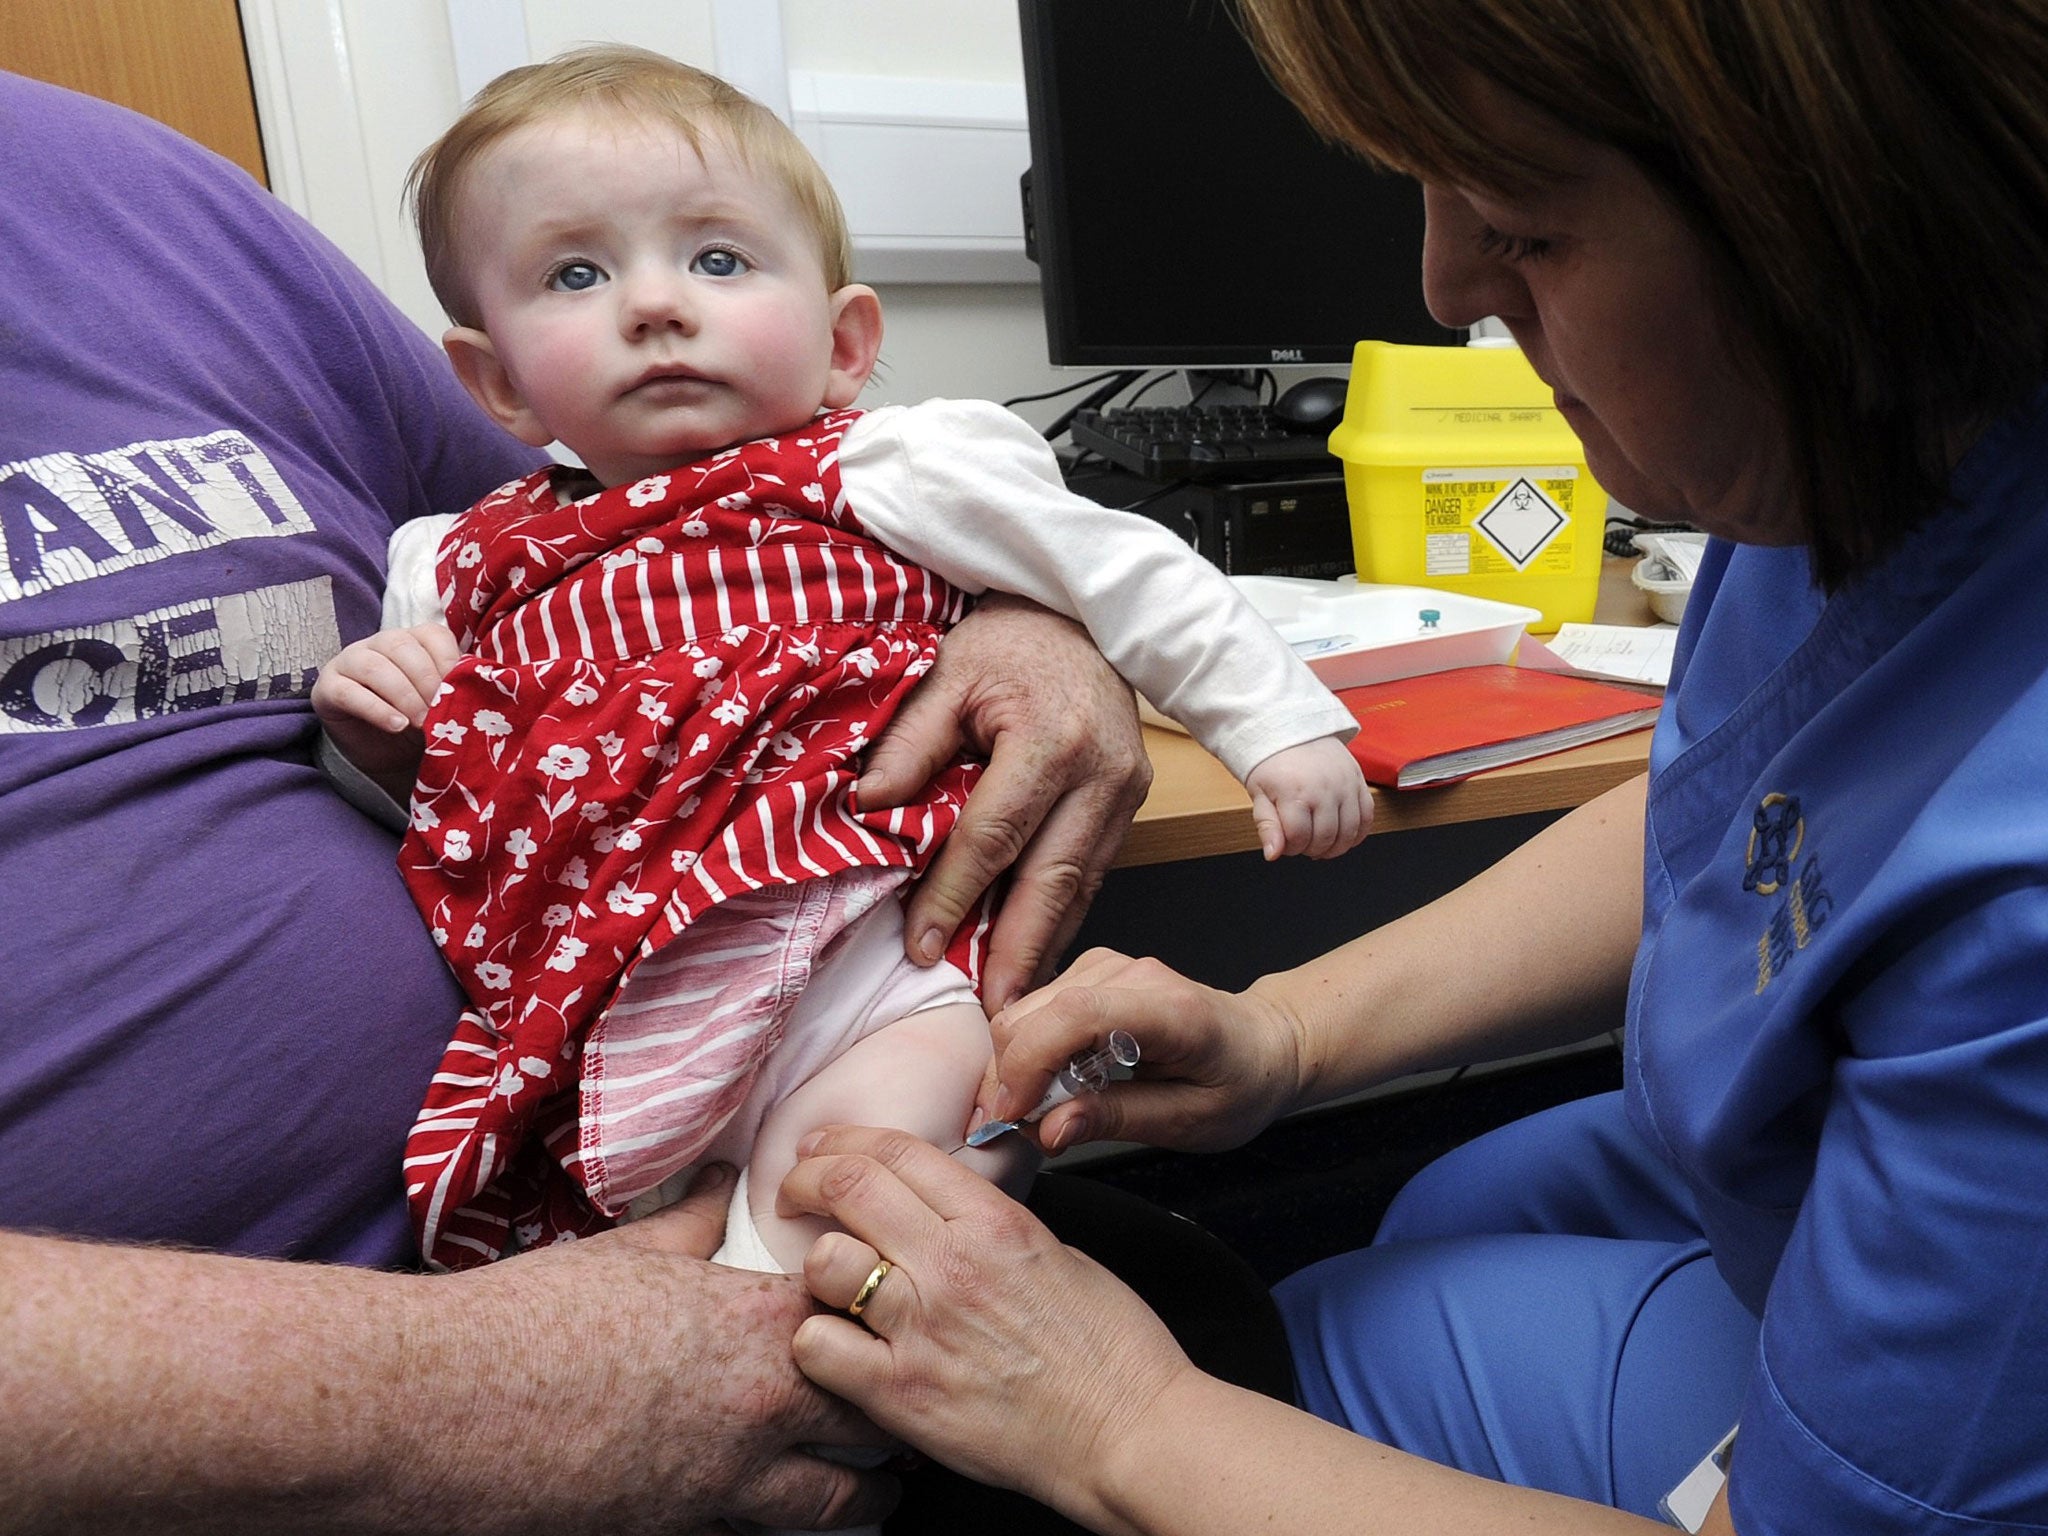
[1680, 553]
[1611, 653]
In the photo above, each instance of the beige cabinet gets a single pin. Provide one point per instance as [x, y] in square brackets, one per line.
[180, 61]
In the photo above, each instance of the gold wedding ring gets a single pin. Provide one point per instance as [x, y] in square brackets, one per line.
[868, 1287]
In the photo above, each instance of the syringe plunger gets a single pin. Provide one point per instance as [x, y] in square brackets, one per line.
[1089, 1071]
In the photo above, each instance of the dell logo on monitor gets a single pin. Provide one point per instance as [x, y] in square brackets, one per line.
[1287, 355]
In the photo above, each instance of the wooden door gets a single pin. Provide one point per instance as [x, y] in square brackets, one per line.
[180, 61]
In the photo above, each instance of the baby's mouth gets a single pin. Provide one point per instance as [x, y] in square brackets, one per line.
[668, 378]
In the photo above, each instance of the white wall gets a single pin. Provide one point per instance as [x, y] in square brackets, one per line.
[351, 90]
[946, 39]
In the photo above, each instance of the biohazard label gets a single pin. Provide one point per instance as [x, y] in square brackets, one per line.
[1498, 522]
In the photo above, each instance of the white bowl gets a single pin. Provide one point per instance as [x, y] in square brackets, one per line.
[1667, 594]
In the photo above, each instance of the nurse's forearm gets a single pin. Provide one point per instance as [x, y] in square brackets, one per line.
[1211, 1458]
[1533, 952]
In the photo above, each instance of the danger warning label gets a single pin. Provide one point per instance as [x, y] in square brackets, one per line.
[1481, 522]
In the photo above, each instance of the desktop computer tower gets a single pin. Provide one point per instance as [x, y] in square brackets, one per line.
[1281, 528]
[1256, 528]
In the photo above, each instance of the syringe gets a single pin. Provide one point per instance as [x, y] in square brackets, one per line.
[1087, 1072]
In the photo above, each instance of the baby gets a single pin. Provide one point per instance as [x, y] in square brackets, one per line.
[629, 701]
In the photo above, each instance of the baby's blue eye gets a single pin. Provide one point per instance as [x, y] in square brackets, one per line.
[575, 277]
[719, 263]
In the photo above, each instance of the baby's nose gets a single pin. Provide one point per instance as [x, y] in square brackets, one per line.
[657, 300]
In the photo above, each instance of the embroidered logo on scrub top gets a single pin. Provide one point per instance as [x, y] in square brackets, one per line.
[1777, 838]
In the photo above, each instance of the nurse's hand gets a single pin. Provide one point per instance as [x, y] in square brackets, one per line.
[1215, 1069]
[1067, 770]
[988, 1345]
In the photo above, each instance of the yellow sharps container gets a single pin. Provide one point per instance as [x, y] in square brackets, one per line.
[1461, 474]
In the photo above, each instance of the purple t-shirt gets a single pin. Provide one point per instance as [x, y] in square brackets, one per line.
[218, 1009]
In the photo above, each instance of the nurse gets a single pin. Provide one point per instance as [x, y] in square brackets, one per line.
[1780, 261]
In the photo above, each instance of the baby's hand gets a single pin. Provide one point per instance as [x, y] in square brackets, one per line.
[1310, 799]
[373, 697]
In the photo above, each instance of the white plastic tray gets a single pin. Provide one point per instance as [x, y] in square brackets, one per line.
[1352, 632]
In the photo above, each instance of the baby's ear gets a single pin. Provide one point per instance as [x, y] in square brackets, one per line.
[856, 342]
[483, 374]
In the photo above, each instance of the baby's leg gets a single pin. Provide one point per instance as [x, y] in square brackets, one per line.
[919, 1074]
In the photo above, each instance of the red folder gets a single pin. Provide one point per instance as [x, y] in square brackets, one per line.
[1443, 726]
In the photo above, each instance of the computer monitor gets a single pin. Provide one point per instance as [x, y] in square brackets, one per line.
[1183, 215]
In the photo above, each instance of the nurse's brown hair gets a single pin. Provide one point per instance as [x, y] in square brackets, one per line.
[1870, 177]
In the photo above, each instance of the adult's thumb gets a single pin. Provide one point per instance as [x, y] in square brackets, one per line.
[923, 737]
[695, 1224]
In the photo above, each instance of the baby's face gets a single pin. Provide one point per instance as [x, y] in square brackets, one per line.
[650, 306]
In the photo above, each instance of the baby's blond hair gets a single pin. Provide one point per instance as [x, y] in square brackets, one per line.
[637, 83]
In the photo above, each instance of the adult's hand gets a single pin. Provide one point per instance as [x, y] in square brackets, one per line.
[618, 1384]
[1553, 928]
[1066, 771]
[989, 1345]
[1024, 1364]
[1216, 1069]
[668, 1398]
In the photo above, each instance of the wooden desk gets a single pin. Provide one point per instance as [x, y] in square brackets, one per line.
[1196, 808]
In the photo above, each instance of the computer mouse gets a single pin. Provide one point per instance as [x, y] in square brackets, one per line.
[1313, 405]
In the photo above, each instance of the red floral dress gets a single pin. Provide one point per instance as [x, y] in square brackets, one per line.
[665, 691]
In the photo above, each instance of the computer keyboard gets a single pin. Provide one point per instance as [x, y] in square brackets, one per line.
[1221, 442]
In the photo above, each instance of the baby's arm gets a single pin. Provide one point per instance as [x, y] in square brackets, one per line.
[372, 700]
[1310, 799]
[969, 490]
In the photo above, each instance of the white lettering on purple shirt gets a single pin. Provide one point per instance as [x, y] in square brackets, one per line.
[69, 517]
[263, 644]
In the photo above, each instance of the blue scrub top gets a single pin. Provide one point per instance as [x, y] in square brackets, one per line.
[1839, 1012]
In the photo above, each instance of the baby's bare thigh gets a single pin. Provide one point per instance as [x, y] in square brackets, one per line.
[918, 1074]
